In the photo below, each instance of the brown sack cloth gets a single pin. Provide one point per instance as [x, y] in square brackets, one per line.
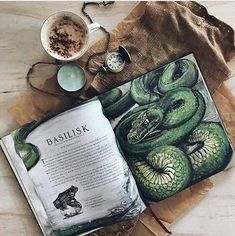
[159, 32]
[156, 33]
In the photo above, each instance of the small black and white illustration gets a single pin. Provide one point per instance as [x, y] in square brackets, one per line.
[66, 202]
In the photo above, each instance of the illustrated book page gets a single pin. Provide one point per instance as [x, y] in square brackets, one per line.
[72, 171]
[168, 128]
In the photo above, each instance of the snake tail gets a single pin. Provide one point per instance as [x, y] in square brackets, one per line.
[115, 104]
[181, 73]
[29, 153]
[211, 150]
[163, 172]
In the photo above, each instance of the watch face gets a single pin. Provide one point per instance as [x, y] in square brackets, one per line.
[114, 62]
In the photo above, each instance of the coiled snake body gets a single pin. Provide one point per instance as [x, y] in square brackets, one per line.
[115, 103]
[161, 169]
[150, 87]
[176, 74]
[171, 113]
[140, 89]
[210, 150]
[136, 136]
[163, 172]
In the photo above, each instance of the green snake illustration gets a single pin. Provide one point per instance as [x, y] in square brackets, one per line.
[174, 109]
[176, 74]
[208, 150]
[150, 87]
[163, 172]
[144, 89]
[29, 152]
[115, 103]
[147, 134]
[138, 132]
[168, 169]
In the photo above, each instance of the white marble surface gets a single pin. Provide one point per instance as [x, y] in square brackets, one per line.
[19, 47]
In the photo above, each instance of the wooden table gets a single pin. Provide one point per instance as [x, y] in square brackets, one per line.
[20, 46]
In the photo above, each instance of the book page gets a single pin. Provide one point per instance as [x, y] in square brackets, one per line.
[168, 128]
[81, 176]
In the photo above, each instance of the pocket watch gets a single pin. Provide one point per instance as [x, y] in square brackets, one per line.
[116, 61]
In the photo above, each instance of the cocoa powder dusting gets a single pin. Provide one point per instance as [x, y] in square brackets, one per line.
[67, 37]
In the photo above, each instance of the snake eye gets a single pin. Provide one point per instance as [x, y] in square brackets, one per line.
[146, 121]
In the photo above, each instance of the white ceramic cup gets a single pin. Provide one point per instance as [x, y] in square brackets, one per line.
[48, 25]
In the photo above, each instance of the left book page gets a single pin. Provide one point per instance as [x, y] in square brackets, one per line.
[72, 172]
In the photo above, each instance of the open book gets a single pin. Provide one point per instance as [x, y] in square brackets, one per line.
[97, 163]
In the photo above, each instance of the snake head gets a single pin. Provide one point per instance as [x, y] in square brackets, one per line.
[145, 123]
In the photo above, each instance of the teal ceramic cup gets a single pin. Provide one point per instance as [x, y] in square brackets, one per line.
[71, 77]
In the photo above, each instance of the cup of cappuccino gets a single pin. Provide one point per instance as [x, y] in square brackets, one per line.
[65, 35]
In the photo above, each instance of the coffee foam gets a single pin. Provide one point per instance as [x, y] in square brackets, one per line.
[67, 37]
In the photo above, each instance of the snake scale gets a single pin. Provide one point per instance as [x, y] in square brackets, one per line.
[166, 142]
[163, 172]
[210, 150]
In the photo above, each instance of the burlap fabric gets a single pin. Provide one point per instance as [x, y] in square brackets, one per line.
[159, 32]
[155, 33]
